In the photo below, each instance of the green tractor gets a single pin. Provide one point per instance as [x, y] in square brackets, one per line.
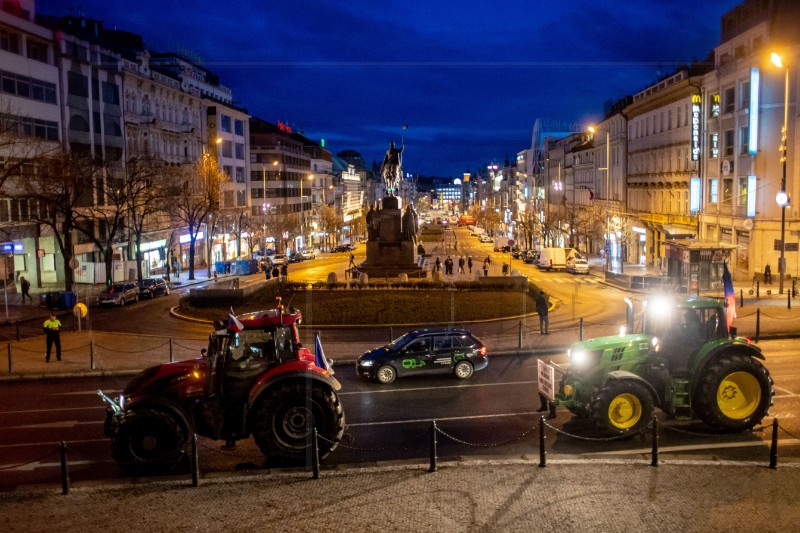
[686, 362]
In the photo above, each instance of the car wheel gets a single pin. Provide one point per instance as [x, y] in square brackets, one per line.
[386, 374]
[166, 291]
[122, 302]
[463, 370]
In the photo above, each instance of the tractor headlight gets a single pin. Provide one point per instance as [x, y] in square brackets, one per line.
[656, 344]
[578, 357]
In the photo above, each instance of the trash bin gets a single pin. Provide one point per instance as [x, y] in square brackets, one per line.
[68, 299]
[44, 299]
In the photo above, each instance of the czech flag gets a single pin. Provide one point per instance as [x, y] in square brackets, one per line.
[730, 296]
[320, 354]
[234, 323]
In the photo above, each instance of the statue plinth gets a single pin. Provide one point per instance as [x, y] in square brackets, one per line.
[389, 252]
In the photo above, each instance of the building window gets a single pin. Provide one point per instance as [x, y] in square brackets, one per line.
[227, 149]
[728, 143]
[9, 41]
[727, 191]
[239, 151]
[744, 91]
[110, 93]
[239, 175]
[742, 198]
[744, 139]
[77, 84]
[228, 170]
[238, 127]
[713, 191]
[729, 100]
[225, 123]
[37, 51]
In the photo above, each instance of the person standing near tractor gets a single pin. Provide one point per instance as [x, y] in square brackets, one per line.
[542, 306]
[52, 326]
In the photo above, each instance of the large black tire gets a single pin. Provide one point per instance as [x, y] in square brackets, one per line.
[734, 393]
[149, 441]
[284, 418]
[621, 407]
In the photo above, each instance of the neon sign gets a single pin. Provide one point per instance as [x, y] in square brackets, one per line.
[696, 100]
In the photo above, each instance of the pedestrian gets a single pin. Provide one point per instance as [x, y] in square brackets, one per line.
[352, 261]
[469, 264]
[51, 328]
[26, 287]
[767, 276]
[276, 273]
[486, 269]
[266, 272]
[461, 265]
[542, 308]
[438, 265]
[505, 269]
[216, 278]
[488, 260]
[448, 266]
[285, 272]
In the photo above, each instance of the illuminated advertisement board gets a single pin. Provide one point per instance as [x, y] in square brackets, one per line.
[714, 148]
[751, 196]
[753, 140]
[694, 194]
[696, 99]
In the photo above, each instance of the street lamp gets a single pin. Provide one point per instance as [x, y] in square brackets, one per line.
[782, 198]
[607, 168]
[302, 210]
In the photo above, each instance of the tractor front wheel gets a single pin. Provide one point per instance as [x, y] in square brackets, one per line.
[621, 407]
[284, 420]
[149, 441]
[734, 393]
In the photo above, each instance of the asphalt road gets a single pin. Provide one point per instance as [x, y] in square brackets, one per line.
[493, 414]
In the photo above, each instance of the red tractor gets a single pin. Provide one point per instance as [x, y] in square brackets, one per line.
[254, 378]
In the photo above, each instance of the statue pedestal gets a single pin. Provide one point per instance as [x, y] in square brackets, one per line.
[388, 253]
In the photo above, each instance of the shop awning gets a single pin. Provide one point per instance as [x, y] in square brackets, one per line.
[675, 231]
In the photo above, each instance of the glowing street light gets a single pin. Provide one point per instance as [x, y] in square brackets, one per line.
[782, 198]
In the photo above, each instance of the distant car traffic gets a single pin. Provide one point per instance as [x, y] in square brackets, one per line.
[485, 238]
[119, 294]
[152, 287]
[280, 258]
[427, 351]
[308, 254]
[296, 257]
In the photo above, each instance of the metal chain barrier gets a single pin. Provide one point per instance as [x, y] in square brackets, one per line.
[491, 445]
[788, 432]
[45, 456]
[682, 431]
[359, 449]
[597, 439]
[117, 350]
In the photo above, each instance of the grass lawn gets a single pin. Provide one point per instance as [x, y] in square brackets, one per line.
[368, 306]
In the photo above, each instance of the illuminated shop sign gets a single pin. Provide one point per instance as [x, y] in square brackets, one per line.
[696, 100]
[185, 239]
[694, 194]
[714, 105]
[714, 148]
[751, 196]
[753, 140]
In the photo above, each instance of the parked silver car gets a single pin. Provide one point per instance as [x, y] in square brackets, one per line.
[119, 294]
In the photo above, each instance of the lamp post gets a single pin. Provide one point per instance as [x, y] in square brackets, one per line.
[607, 168]
[782, 198]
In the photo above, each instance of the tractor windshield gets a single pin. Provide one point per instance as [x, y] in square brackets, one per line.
[685, 325]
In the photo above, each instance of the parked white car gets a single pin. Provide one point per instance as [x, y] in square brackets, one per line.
[308, 254]
[577, 265]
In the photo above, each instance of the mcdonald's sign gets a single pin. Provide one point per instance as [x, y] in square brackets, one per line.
[696, 110]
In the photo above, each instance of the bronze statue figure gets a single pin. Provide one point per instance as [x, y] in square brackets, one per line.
[409, 224]
[372, 224]
[391, 169]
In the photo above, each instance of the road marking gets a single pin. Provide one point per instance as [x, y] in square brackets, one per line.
[28, 467]
[440, 419]
[438, 387]
[93, 392]
[61, 424]
[58, 409]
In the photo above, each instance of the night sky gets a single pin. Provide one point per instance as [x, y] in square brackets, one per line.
[469, 78]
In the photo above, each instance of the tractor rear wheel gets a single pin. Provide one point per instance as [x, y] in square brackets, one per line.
[284, 419]
[734, 393]
[621, 407]
[149, 441]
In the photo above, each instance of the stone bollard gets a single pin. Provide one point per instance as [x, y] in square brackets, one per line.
[332, 279]
[403, 277]
[363, 278]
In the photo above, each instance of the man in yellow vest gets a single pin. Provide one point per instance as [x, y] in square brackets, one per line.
[51, 328]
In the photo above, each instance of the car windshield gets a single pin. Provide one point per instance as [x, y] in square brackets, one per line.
[148, 282]
[400, 341]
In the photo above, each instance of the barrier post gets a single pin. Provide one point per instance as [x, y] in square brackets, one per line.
[773, 449]
[520, 335]
[758, 288]
[91, 354]
[315, 455]
[580, 330]
[654, 455]
[171, 357]
[64, 472]
[391, 334]
[10, 364]
[741, 298]
[758, 323]
[433, 447]
[542, 452]
[195, 462]
[789, 299]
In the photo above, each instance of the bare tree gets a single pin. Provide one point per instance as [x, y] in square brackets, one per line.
[194, 199]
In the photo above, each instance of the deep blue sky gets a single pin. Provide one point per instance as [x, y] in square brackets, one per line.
[469, 78]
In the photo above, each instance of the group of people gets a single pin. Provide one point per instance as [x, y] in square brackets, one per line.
[278, 272]
[464, 265]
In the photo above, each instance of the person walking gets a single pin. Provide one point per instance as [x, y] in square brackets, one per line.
[276, 272]
[285, 272]
[767, 276]
[461, 265]
[542, 308]
[469, 264]
[26, 287]
[438, 266]
[485, 269]
[448, 266]
[51, 328]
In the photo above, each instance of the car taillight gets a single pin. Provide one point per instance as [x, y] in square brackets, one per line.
[482, 350]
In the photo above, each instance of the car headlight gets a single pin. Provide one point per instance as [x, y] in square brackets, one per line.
[366, 363]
